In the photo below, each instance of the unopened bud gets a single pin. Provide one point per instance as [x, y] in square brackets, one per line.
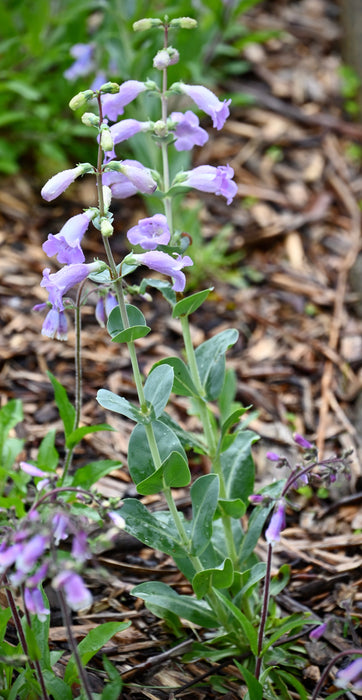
[146, 23]
[106, 228]
[160, 128]
[106, 138]
[184, 23]
[81, 99]
[109, 88]
[166, 57]
[90, 119]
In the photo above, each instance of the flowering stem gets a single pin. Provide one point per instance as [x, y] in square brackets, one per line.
[164, 145]
[83, 677]
[327, 669]
[37, 665]
[264, 611]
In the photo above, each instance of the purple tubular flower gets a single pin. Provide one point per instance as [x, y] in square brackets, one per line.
[256, 499]
[276, 525]
[125, 129]
[113, 104]
[150, 232]
[208, 102]
[9, 555]
[117, 519]
[188, 131]
[34, 603]
[318, 632]
[66, 244]
[59, 183]
[31, 552]
[77, 595]
[58, 283]
[302, 442]
[351, 674]
[38, 576]
[83, 65]
[80, 551]
[273, 456]
[104, 307]
[167, 265]
[60, 524]
[32, 469]
[55, 325]
[133, 178]
[207, 178]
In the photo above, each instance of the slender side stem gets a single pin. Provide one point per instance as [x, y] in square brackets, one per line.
[264, 611]
[73, 646]
[327, 669]
[36, 662]
[16, 618]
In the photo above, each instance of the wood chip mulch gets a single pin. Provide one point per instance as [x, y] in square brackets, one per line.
[296, 299]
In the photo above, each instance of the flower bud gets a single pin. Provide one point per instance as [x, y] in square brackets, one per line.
[106, 138]
[107, 196]
[81, 99]
[90, 119]
[166, 57]
[184, 23]
[147, 23]
[160, 129]
[106, 227]
[109, 88]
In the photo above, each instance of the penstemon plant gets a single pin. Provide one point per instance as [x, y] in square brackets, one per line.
[212, 549]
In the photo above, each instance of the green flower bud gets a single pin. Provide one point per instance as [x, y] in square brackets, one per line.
[184, 23]
[147, 23]
[90, 119]
[106, 138]
[106, 227]
[111, 88]
[160, 128]
[81, 99]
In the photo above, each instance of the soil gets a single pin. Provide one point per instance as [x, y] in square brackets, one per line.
[295, 295]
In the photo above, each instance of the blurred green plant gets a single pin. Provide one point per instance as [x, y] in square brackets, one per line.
[350, 87]
[33, 90]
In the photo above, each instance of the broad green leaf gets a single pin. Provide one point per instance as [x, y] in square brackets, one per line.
[220, 577]
[137, 325]
[238, 466]
[12, 447]
[118, 404]
[91, 473]
[55, 686]
[173, 473]
[182, 381]
[233, 507]
[187, 306]
[65, 408]
[251, 577]
[77, 435]
[210, 358]
[232, 420]
[10, 415]
[204, 494]
[158, 593]
[48, 455]
[158, 387]
[140, 459]
[150, 529]
[254, 687]
[162, 286]
[249, 631]
[91, 644]
[5, 615]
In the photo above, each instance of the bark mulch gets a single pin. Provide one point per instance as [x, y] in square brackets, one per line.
[296, 299]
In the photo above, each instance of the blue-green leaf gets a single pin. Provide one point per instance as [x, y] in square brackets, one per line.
[219, 577]
[187, 306]
[233, 507]
[182, 382]
[137, 325]
[210, 358]
[238, 466]
[161, 595]
[149, 528]
[158, 387]
[118, 404]
[140, 459]
[204, 494]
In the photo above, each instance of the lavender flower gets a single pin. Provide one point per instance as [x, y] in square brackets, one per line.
[60, 525]
[273, 456]
[104, 307]
[131, 177]
[351, 674]
[302, 442]
[188, 131]
[80, 550]
[150, 232]
[33, 599]
[31, 552]
[318, 632]
[9, 555]
[77, 595]
[32, 470]
[126, 129]
[83, 65]
[207, 101]
[117, 519]
[55, 324]
[113, 104]
[59, 182]
[66, 244]
[166, 264]
[276, 525]
[207, 178]
[59, 283]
